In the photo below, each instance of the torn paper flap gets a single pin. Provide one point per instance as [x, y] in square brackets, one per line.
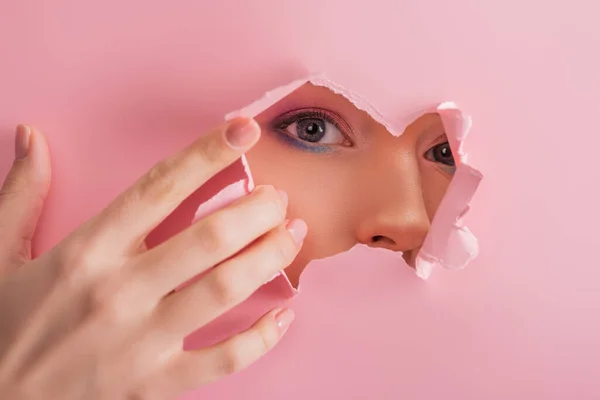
[448, 243]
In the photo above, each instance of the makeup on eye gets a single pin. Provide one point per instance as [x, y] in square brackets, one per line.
[313, 129]
[320, 130]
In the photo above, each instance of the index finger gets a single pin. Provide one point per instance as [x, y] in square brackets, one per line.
[143, 206]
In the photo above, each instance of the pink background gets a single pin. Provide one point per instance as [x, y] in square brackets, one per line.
[116, 85]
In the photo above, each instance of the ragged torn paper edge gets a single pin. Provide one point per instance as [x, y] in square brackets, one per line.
[227, 196]
[449, 243]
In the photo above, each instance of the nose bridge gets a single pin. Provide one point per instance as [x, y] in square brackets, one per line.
[396, 217]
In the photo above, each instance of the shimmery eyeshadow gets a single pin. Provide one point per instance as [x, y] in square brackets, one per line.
[300, 144]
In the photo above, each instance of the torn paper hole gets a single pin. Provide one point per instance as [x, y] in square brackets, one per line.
[227, 196]
[448, 243]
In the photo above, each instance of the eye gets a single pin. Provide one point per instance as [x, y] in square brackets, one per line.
[441, 153]
[316, 130]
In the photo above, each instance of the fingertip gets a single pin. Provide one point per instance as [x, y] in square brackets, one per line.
[241, 133]
[298, 229]
[22, 141]
[39, 136]
[40, 154]
[284, 319]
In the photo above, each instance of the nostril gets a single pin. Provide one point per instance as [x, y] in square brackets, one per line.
[382, 240]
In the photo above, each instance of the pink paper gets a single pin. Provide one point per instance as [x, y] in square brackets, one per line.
[449, 243]
[274, 293]
[118, 85]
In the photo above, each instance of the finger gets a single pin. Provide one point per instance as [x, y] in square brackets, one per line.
[155, 195]
[192, 369]
[23, 193]
[209, 241]
[230, 283]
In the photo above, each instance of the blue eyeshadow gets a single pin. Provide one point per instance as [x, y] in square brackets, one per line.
[299, 144]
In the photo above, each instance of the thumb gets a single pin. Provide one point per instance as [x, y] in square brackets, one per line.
[22, 195]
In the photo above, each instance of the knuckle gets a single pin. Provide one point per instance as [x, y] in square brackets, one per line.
[12, 183]
[76, 258]
[107, 302]
[22, 249]
[209, 151]
[284, 247]
[245, 348]
[232, 360]
[267, 191]
[136, 394]
[100, 300]
[266, 338]
[6, 192]
[216, 234]
[226, 289]
[271, 197]
[148, 392]
[159, 181]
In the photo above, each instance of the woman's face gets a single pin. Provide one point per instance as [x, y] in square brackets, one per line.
[348, 177]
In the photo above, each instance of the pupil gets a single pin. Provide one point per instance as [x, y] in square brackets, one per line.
[311, 129]
[443, 153]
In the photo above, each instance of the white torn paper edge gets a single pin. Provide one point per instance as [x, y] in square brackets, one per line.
[448, 244]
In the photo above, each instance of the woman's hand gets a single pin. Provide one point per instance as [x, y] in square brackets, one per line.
[96, 318]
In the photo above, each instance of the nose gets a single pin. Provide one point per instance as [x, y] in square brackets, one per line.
[394, 215]
[400, 227]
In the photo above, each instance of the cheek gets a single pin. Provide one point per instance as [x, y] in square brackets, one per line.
[274, 164]
[314, 195]
[434, 185]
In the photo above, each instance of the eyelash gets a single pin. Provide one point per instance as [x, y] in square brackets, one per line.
[440, 141]
[282, 122]
[288, 118]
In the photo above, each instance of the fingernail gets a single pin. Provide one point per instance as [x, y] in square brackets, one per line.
[242, 132]
[297, 229]
[284, 197]
[22, 137]
[284, 319]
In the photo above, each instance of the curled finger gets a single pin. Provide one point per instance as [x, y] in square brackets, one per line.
[142, 207]
[231, 282]
[192, 369]
[209, 241]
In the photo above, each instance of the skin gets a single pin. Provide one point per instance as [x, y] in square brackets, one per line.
[362, 186]
[99, 306]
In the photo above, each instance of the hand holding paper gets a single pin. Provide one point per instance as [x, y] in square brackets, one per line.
[100, 305]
